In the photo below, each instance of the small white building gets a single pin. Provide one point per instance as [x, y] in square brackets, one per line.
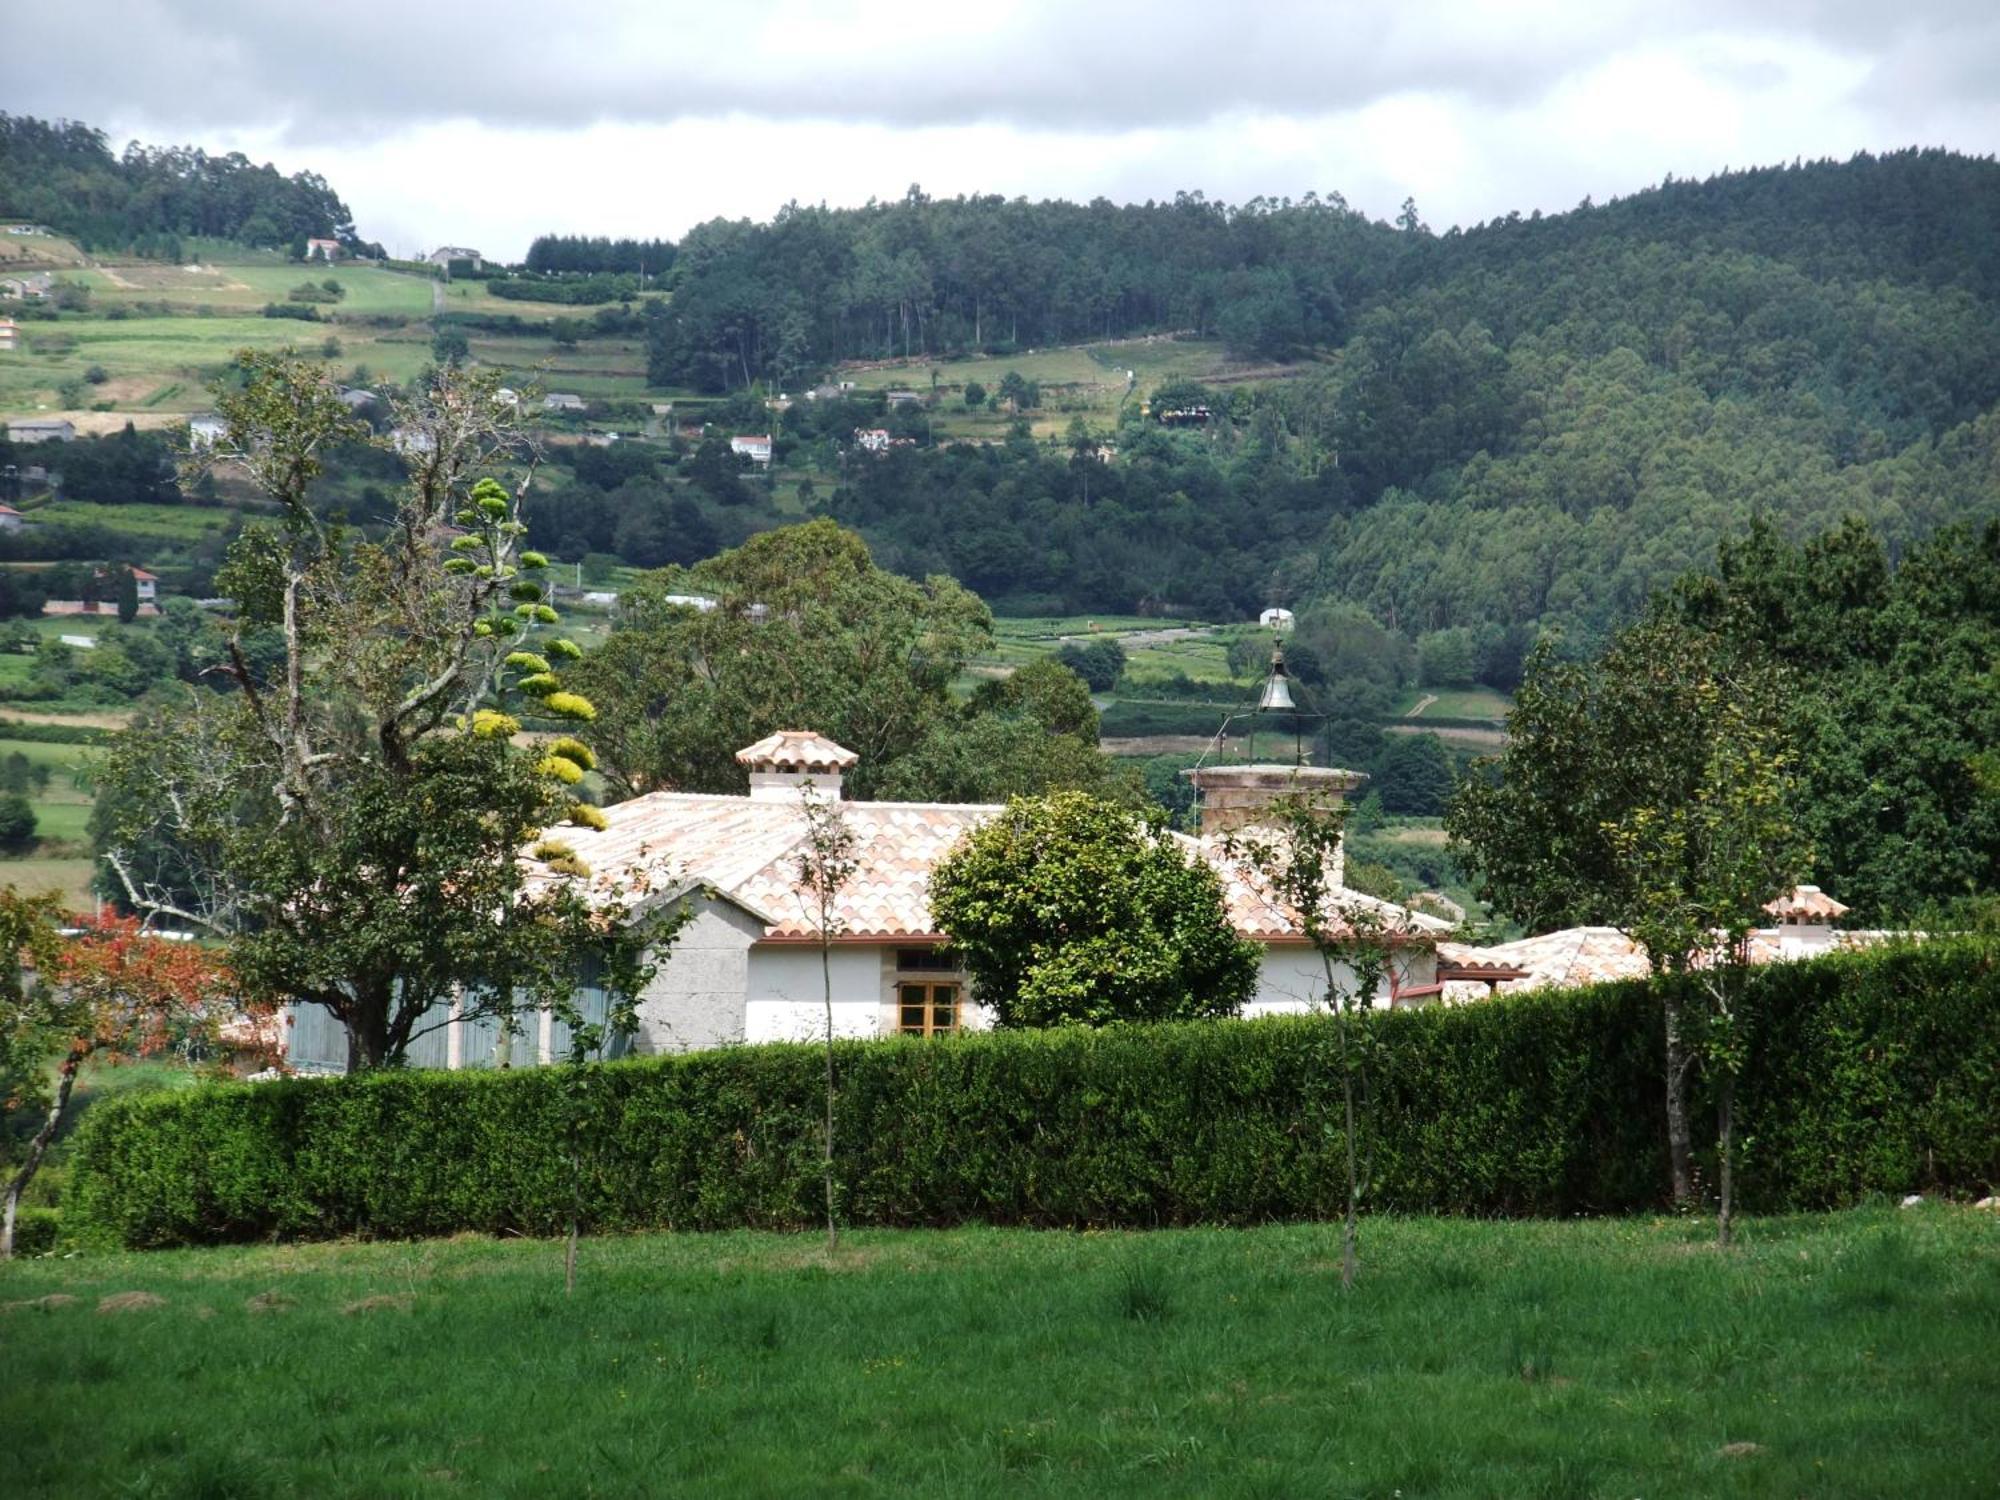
[206, 431]
[872, 439]
[1275, 618]
[322, 249]
[755, 447]
[444, 255]
[11, 519]
[562, 401]
[42, 430]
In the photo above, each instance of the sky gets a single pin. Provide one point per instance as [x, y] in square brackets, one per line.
[485, 125]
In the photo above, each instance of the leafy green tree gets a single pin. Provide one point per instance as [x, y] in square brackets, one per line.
[1627, 791]
[1413, 775]
[127, 592]
[975, 395]
[1100, 663]
[806, 631]
[1029, 734]
[17, 822]
[449, 346]
[1074, 911]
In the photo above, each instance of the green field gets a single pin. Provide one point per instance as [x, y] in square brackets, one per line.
[1852, 1354]
[1457, 703]
[69, 875]
[176, 523]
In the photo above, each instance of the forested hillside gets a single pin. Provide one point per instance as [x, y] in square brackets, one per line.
[62, 174]
[1534, 421]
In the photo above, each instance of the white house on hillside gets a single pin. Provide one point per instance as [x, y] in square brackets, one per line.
[746, 968]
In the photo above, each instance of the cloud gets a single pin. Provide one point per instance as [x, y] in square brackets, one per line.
[367, 68]
[491, 122]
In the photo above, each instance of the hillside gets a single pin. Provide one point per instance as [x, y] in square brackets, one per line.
[149, 200]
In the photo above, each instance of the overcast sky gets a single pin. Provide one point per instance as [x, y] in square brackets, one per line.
[486, 124]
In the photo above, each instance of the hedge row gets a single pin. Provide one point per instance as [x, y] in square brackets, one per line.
[1875, 1074]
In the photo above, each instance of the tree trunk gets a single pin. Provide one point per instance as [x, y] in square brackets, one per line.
[1350, 1233]
[65, 1081]
[1680, 1152]
[1725, 1110]
[826, 1162]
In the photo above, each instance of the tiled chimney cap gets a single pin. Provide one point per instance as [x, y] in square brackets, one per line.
[1806, 903]
[796, 750]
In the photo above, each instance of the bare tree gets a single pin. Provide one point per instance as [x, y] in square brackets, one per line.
[826, 864]
[1294, 864]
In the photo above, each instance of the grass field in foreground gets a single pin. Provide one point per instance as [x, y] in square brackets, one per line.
[1853, 1354]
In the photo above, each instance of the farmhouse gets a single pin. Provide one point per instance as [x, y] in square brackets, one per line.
[206, 431]
[444, 255]
[26, 288]
[322, 249]
[756, 448]
[746, 968]
[872, 439]
[11, 519]
[562, 401]
[41, 430]
[8, 330]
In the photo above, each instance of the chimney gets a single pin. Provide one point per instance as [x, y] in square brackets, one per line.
[1240, 796]
[781, 765]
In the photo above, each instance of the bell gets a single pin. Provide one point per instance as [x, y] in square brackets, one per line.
[1277, 689]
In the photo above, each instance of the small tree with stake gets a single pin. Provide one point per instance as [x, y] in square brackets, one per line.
[825, 865]
[1293, 861]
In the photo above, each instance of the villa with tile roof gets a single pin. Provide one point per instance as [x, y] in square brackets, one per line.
[746, 968]
[746, 965]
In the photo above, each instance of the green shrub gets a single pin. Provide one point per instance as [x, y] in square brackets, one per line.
[35, 1231]
[1877, 1073]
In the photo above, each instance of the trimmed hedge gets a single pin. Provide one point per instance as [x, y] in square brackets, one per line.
[1874, 1074]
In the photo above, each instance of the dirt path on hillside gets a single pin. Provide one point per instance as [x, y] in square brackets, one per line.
[1422, 703]
[114, 719]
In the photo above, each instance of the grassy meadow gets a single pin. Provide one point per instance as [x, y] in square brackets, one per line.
[1850, 1354]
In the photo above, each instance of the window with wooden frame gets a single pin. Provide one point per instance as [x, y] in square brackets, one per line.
[927, 1008]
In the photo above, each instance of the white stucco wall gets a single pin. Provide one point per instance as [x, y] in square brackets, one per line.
[1291, 979]
[786, 999]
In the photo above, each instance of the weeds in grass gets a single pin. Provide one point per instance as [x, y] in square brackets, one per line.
[1143, 1293]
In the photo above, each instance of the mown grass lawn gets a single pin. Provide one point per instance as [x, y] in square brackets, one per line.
[1855, 1354]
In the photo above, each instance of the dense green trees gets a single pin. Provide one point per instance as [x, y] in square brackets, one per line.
[62, 174]
[1531, 422]
[922, 275]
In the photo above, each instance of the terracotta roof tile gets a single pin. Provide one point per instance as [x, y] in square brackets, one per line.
[796, 750]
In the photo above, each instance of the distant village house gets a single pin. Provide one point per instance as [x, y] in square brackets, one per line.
[42, 430]
[755, 448]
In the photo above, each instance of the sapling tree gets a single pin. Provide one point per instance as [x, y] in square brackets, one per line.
[1700, 873]
[359, 800]
[1293, 861]
[825, 866]
[110, 990]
